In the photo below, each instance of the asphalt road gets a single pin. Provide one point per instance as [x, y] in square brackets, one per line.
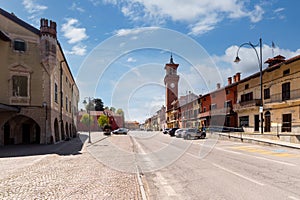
[173, 168]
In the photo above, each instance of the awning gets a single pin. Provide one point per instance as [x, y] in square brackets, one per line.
[4, 36]
[5, 108]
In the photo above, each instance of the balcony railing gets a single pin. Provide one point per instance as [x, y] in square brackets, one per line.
[247, 104]
[278, 97]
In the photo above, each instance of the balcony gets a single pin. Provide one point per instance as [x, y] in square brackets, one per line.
[278, 97]
[247, 104]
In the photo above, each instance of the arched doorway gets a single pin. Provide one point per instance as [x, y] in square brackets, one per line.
[56, 130]
[22, 130]
[67, 130]
[62, 130]
[267, 121]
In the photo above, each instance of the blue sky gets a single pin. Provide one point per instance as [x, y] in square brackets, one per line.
[117, 49]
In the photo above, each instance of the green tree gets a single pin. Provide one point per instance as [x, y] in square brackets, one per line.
[99, 106]
[121, 112]
[103, 120]
[86, 119]
[113, 109]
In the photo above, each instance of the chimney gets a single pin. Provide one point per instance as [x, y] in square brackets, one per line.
[218, 85]
[229, 80]
[238, 76]
[234, 78]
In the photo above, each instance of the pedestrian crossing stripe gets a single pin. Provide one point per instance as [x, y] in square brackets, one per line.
[265, 152]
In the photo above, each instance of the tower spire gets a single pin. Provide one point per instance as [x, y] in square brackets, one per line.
[171, 59]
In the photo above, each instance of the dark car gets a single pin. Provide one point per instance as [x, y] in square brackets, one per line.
[166, 130]
[172, 131]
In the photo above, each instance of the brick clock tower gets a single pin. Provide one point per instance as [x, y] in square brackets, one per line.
[171, 83]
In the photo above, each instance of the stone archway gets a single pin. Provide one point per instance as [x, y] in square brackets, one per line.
[56, 130]
[62, 130]
[21, 129]
[67, 130]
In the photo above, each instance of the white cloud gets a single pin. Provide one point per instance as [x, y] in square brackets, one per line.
[130, 59]
[126, 32]
[32, 7]
[76, 8]
[79, 50]
[72, 32]
[249, 62]
[201, 16]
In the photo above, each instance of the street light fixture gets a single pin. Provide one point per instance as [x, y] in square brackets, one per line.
[89, 113]
[44, 105]
[259, 57]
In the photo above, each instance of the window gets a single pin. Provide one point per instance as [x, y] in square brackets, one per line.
[286, 72]
[67, 103]
[228, 104]
[70, 106]
[286, 91]
[19, 45]
[55, 93]
[213, 106]
[62, 99]
[20, 86]
[227, 91]
[267, 93]
[246, 86]
[247, 97]
[286, 123]
[244, 121]
[204, 109]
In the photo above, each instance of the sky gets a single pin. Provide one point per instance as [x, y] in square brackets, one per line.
[117, 49]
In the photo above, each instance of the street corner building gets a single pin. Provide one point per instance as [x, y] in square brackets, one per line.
[39, 96]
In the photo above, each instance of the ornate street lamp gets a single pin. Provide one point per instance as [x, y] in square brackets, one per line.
[89, 113]
[259, 57]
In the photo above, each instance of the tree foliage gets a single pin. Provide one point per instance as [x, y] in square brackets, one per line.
[103, 120]
[99, 106]
[120, 112]
[86, 119]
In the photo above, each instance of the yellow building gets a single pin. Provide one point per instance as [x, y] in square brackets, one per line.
[39, 96]
[281, 98]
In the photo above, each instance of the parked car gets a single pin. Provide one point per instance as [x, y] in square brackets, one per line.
[172, 131]
[120, 131]
[166, 130]
[179, 133]
[193, 133]
[107, 130]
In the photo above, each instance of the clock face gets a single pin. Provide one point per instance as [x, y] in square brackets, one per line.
[172, 85]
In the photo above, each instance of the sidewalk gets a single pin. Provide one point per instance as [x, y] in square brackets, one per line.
[258, 138]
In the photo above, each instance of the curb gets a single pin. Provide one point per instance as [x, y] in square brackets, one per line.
[264, 141]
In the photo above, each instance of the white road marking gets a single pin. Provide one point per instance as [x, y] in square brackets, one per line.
[167, 188]
[160, 179]
[276, 161]
[239, 175]
[294, 198]
[228, 151]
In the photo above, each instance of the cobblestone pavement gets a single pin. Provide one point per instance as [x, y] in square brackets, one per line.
[61, 172]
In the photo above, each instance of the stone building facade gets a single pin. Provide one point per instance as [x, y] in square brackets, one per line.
[39, 96]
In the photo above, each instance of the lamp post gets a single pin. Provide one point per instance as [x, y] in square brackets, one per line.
[259, 57]
[46, 119]
[89, 113]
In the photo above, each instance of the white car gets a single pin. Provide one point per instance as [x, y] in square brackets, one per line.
[120, 131]
[193, 133]
[179, 133]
